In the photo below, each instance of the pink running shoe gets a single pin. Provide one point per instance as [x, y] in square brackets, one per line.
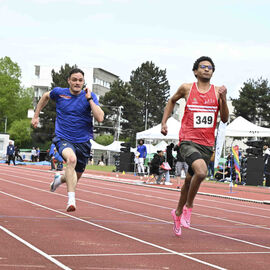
[177, 223]
[185, 218]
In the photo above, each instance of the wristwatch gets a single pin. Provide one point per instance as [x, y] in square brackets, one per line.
[89, 98]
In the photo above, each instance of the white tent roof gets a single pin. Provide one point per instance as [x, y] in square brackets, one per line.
[97, 146]
[240, 127]
[114, 147]
[154, 132]
[150, 148]
[161, 146]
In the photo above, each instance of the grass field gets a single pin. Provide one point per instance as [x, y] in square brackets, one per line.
[101, 168]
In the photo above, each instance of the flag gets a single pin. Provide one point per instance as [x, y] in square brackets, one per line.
[235, 151]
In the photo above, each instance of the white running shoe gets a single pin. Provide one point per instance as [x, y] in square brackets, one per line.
[168, 183]
[56, 182]
[71, 206]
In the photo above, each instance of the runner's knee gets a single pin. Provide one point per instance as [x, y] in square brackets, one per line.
[71, 160]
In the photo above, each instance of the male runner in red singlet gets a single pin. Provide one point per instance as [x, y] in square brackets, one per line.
[197, 133]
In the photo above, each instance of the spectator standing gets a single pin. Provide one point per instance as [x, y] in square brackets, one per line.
[267, 165]
[37, 153]
[91, 158]
[51, 156]
[141, 149]
[211, 166]
[106, 159]
[33, 154]
[180, 165]
[11, 153]
[169, 155]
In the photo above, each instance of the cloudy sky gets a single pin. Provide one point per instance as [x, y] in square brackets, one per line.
[119, 35]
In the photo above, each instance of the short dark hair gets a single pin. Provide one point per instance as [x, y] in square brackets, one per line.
[75, 70]
[203, 58]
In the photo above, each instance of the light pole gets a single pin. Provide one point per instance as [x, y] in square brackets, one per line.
[5, 123]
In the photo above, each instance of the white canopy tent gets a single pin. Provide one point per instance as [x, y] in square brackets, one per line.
[240, 127]
[114, 146]
[97, 146]
[155, 134]
[161, 146]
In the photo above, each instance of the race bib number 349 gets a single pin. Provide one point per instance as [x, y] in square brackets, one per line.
[203, 119]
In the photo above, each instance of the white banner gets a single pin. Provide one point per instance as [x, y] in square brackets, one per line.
[220, 141]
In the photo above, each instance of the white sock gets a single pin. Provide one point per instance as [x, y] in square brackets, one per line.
[71, 196]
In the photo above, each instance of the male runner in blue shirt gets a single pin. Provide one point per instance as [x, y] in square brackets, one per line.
[73, 129]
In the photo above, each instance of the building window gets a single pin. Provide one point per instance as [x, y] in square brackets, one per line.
[101, 82]
[37, 70]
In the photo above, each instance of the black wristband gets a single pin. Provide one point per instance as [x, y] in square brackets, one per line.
[89, 98]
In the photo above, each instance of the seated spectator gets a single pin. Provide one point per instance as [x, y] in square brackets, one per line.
[222, 174]
[55, 157]
[101, 163]
[157, 170]
[17, 153]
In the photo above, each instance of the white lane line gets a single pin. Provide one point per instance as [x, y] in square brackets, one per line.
[116, 180]
[165, 207]
[21, 266]
[159, 206]
[113, 254]
[42, 253]
[170, 200]
[116, 232]
[141, 215]
[158, 253]
[157, 189]
[131, 187]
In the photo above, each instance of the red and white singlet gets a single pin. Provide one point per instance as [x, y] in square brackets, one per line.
[200, 117]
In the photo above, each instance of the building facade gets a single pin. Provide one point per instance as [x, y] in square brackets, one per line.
[97, 79]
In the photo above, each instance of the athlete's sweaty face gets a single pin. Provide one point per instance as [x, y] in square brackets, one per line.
[76, 82]
[204, 71]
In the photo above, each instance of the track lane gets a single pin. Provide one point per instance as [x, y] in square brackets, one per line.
[98, 197]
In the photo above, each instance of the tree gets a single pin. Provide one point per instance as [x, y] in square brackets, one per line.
[104, 139]
[150, 88]
[120, 95]
[45, 133]
[10, 74]
[253, 101]
[20, 132]
[14, 99]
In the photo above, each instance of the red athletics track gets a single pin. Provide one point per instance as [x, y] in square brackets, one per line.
[120, 226]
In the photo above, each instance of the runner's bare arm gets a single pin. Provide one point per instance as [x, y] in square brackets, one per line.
[41, 104]
[182, 92]
[223, 107]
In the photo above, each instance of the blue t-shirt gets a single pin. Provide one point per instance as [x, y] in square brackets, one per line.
[142, 150]
[74, 122]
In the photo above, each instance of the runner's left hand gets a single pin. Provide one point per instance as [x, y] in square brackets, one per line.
[222, 92]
